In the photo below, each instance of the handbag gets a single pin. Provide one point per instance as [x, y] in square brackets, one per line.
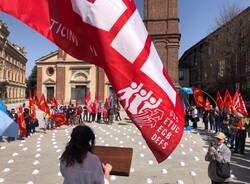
[223, 169]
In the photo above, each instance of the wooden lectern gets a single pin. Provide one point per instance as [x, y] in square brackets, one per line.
[119, 158]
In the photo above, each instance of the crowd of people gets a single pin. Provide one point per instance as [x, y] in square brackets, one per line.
[78, 115]
[234, 126]
[30, 123]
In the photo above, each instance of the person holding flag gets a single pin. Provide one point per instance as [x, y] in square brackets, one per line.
[22, 123]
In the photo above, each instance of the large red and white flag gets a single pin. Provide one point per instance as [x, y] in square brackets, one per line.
[111, 34]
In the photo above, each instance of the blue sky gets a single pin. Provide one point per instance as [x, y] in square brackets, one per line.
[196, 20]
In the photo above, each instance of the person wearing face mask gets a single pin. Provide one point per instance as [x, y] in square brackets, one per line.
[217, 155]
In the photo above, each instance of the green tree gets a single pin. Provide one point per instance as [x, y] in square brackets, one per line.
[31, 82]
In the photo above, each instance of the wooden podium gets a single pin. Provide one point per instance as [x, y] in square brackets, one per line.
[119, 158]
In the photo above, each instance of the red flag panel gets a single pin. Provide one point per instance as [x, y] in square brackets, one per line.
[115, 39]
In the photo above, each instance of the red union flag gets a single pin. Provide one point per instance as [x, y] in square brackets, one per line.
[111, 34]
[60, 119]
[198, 97]
[207, 105]
[219, 101]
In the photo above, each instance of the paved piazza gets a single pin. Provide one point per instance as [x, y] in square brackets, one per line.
[35, 159]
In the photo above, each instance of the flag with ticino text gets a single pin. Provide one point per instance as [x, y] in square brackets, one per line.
[111, 34]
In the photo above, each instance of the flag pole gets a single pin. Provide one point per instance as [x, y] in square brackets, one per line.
[208, 95]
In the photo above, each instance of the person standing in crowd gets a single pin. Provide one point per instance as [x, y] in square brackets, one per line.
[205, 119]
[68, 114]
[218, 120]
[117, 113]
[240, 138]
[85, 113]
[80, 111]
[13, 115]
[231, 131]
[27, 121]
[187, 116]
[110, 115]
[93, 112]
[195, 117]
[78, 164]
[72, 115]
[217, 154]
[225, 125]
[89, 109]
[212, 120]
[99, 113]
[105, 114]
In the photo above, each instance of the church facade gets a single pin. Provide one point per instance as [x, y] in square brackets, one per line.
[62, 76]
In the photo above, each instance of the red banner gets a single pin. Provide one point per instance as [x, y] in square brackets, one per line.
[111, 34]
[21, 122]
[219, 101]
[54, 102]
[207, 105]
[42, 104]
[228, 101]
[198, 97]
[60, 119]
[242, 107]
[235, 101]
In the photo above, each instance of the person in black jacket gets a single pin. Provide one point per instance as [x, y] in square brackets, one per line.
[13, 115]
[27, 121]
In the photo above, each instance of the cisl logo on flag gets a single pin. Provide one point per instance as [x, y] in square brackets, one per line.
[111, 34]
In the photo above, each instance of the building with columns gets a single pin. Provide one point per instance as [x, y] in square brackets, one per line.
[62, 76]
[66, 78]
[12, 68]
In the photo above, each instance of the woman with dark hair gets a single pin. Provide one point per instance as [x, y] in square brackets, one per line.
[78, 164]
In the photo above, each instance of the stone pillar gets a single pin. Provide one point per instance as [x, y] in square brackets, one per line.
[162, 22]
[100, 83]
[39, 85]
[60, 82]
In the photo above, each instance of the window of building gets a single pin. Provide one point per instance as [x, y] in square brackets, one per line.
[50, 71]
[181, 74]
[221, 68]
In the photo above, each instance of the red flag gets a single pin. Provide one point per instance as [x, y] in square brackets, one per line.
[54, 102]
[242, 107]
[219, 101]
[42, 104]
[77, 107]
[87, 98]
[235, 101]
[228, 101]
[115, 39]
[31, 101]
[207, 105]
[21, 122]
[198, 97]
[60, 119]
[62, 102]
[35, 98]
[107, 103]
[70, 103]
[47, 110]
[32, 112]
